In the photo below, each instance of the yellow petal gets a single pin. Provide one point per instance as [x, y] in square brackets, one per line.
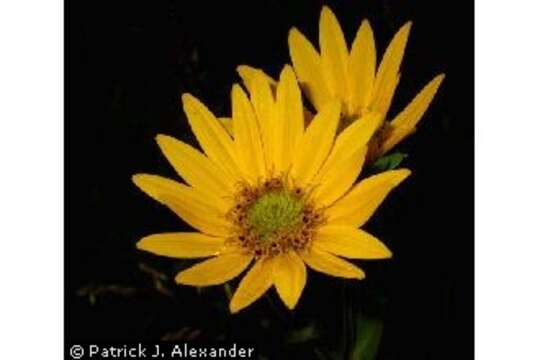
[316, 143]
[334, 53]
[308, 67]
[263, 102]
[345, 161]
[212, 136]
[356, 135]
[410, 116]
[227, 124]
[289, 121]
[350, 242]
[248, 75]
[261, 97]
[327, 263]
[181, 244]
[200, 210]
[383, 103]
[194, 167]
[392, 136]
[387, 74]
[161, 188]
[339, 178]
[361, 68]
[357, 206]
[256, 282]
[289, 277]
[215, 271]
[247, 140]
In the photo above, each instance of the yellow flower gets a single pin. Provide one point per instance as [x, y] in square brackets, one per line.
[279, 195]
[352, 77]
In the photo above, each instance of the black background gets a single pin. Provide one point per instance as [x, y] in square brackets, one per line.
[127, 64]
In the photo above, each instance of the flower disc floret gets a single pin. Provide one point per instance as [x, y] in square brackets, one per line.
[272, 219]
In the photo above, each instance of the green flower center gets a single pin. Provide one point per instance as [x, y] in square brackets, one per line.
[271, 219]
[273, 213]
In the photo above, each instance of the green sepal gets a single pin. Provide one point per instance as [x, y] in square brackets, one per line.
[389, 162]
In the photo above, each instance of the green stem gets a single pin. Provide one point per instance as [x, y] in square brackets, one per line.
[348, 324]
[228, 291]
[343, 320]
[285, 319]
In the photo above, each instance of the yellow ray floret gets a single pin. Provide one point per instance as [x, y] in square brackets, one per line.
[276, 197]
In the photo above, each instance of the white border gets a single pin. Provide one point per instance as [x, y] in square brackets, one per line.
[31, 179]
[507, 180]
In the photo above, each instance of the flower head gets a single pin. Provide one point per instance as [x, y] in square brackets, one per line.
[353, 78]
[278, 194]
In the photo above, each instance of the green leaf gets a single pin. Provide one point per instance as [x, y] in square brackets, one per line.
[369, 331]
[93, 291]
[307, 333]
[389, 162]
